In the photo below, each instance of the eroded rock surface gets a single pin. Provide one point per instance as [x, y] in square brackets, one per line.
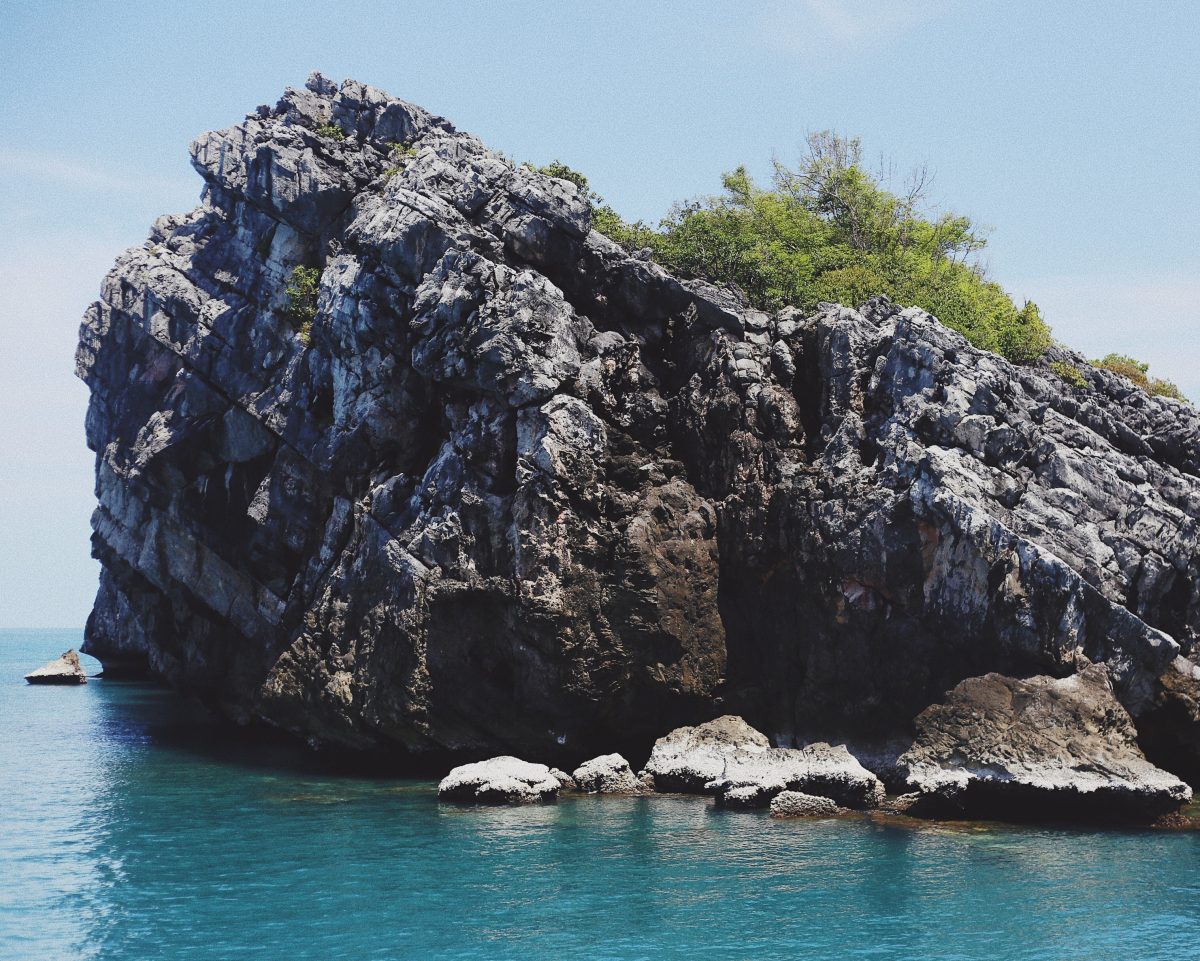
[65, 669]
[795, 804]
[1004, 747]
[517, 490]
[752, 779]
[607, 774]
[501, 780]
[690, 758]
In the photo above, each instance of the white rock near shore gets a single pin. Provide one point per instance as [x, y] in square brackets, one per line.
[608, 774]
[502, 780]
[689, 758]
[62, 670]
[730, 759]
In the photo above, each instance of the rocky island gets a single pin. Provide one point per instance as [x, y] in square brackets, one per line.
[395, 451]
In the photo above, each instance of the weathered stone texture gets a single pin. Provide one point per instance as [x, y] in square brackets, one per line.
[524, 492]
[1005, 747]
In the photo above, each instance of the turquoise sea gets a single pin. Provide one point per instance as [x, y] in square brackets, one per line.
[130, 828]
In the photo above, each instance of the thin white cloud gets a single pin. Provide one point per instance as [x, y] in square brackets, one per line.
[67, 171]
[1153, 317]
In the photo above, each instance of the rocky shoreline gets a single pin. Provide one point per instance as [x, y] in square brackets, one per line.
[946, 778]
[397, 454]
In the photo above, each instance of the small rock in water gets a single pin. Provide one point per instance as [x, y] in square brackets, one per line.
[608, 774]
[63, 670]
[794, 804]
[501, 780]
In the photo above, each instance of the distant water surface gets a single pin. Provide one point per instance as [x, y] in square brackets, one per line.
[127, 831]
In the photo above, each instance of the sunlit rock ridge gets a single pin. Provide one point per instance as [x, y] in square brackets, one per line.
[517, 491]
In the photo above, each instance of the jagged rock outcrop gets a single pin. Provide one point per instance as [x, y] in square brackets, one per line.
[516, 489]
[502, 780]
[608, 774]
[65, 669]
[1005, 747]
[795, 804]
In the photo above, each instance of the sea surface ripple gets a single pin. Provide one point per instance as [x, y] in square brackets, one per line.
[132, 828]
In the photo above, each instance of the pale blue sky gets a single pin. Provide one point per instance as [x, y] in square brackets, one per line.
[1071, 128]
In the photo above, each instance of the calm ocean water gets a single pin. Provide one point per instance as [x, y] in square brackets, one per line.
[128, 832]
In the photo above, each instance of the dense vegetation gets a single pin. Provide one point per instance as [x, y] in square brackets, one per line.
[829, 230]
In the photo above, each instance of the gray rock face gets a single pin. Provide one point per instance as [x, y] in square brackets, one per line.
[1039, 746]
[607, 774]
[519, 491]
[794, 804]
[62, 670]
[501, 780]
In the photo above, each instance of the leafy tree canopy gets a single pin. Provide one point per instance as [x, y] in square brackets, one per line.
[828, 230]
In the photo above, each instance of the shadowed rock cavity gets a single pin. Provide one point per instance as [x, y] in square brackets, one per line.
[515, 491]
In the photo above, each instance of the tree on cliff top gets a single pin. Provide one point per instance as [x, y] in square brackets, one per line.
[828, 230]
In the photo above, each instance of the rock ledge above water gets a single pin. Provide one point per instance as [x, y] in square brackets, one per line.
[503, 486]
[1003, 747]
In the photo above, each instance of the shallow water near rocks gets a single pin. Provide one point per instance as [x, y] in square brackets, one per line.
[130, 828]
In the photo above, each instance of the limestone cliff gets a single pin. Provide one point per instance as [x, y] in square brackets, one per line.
[517, 491]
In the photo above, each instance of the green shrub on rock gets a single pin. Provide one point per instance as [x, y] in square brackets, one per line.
[302, 294]
[330, 131]
[1070, 375]
[1137, 372]
[828, 230]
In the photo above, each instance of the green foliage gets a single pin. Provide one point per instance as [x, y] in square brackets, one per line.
[561, 171]
[302, 300]
[401, 154]
[1069, 374]
[827, 230]
[633, 237]
[636, 236]
[1138, 373]
[1165, 388]
[330, 131]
